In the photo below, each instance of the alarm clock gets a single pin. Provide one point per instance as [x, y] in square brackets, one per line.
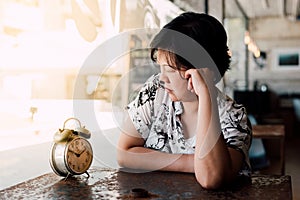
[71, 153]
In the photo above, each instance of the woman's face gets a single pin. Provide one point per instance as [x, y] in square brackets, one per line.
[173, 79]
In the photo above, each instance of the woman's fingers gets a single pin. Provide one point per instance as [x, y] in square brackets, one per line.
[199, 79]
[192, 77]
[190, 85]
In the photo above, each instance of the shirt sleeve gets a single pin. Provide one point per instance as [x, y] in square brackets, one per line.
[236, 127]
[140, 110]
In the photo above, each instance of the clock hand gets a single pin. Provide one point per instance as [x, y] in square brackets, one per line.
[71, 150]
[82, 151]
[77, 154]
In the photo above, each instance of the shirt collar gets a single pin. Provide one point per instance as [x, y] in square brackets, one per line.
[178, 107]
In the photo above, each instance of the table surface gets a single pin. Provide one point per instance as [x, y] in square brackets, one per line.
[106, 183]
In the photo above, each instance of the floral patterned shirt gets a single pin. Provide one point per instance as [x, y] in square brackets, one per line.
[157, 119]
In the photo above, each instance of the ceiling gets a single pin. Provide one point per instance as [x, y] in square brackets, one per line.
[262, 8]
[252, 9]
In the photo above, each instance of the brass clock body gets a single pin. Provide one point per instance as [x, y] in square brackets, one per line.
[71, 153]
[71, 157]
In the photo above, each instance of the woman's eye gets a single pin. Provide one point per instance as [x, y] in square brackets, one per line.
[170, 70]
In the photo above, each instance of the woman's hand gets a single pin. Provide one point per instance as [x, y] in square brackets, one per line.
[200, 80]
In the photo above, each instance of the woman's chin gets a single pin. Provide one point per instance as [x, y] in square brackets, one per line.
[173, 97]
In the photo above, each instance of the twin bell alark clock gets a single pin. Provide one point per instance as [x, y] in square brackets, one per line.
[71, 153]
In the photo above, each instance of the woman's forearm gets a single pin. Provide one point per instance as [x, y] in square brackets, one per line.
[147, 159]
[212, 159]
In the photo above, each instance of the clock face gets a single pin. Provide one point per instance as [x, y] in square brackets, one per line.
[78, 155]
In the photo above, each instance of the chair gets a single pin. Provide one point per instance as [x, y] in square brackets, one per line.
[257, 152]
[296, 105]
[273, 137]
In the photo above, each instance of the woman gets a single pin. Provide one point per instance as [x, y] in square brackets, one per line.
[180, 121]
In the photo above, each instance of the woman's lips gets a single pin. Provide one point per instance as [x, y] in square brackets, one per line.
[162, 85]
[168, 90]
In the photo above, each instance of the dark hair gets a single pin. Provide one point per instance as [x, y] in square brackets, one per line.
[202, 28]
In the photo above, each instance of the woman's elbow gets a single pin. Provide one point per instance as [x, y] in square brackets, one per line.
[210, 182]
[121, 160]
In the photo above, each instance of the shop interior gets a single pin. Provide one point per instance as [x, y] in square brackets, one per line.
[64, 58]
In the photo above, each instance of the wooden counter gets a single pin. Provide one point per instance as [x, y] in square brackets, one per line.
[115, 184]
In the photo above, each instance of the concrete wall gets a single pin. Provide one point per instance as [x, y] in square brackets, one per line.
[270, 35]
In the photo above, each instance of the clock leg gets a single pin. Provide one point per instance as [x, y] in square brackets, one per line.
[67, 176]
[88, 175]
